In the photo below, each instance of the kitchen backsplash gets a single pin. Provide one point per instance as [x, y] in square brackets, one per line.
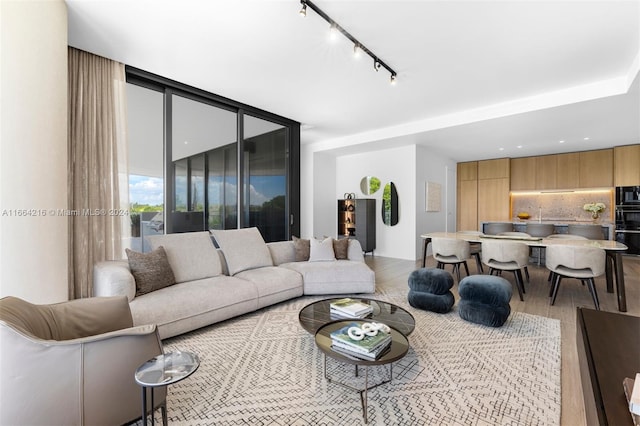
[562, 206]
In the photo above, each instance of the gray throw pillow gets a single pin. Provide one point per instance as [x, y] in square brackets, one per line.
[303, 248]
[341, 248]
[151, 271]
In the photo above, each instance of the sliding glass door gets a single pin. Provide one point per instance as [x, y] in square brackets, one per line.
[226, 165]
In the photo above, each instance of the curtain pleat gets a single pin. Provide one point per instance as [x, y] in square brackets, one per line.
[97, 138]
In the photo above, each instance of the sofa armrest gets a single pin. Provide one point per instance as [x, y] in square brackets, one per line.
[113, 278]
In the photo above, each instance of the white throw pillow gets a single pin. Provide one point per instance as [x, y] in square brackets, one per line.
[321, 250]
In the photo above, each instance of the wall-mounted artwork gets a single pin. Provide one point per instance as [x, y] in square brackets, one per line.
[433, 196]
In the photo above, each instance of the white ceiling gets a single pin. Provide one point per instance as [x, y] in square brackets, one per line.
[473, 76]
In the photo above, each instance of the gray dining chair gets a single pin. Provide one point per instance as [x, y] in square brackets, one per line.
[495, 228]
[592, 232]
[518, 234]
[475, 249]
[451, 251]
[539, 230]
[583, 263]
[507, 256]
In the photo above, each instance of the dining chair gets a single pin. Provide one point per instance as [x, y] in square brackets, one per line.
[475, 249]
[494, 228]
[451, 251]
[592, 232]
[523, 235]
[539, 230]
[583, 263]
[507, 256]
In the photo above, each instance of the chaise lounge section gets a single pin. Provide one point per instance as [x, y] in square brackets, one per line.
[214, 284]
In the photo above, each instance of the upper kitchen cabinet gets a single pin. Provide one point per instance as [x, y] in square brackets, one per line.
[567, 170]
[523, 173]
[546, 172]
[596, 168]
[626, 165]
[492, 169]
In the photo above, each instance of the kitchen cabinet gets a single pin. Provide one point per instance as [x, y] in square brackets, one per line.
[467, 196]
[626, 162]
[546, 168]
[596, 168]
[493, 199]
[523, 173]
[493, 169]
[567, 170]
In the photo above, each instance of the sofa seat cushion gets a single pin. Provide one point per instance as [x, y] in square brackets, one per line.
[334, 277]
[192, 255]
[273, 284]
[186, 302]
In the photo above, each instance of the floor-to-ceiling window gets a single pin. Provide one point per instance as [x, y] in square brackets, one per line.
[226, 165]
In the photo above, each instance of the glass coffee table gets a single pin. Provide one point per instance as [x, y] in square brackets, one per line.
[317, 314]
[398, 349]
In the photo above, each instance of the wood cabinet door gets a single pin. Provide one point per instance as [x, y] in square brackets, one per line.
[596, 168]
[626, 165]
[493, 199]
[523, 173]
[567, 170]
[546, 172]
[467, 202]
[468, 171]
[492, 169]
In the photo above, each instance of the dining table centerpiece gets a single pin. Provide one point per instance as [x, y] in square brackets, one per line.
[595, 209]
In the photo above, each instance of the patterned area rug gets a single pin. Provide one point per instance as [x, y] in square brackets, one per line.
[264, 369]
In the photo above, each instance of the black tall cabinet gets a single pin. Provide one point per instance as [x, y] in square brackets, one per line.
[357, 219]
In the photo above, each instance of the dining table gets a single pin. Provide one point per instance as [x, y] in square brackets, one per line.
[613, 249]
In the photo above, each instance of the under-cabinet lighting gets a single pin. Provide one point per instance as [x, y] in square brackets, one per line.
[563, 191]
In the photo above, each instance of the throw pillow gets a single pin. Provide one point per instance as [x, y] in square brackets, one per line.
[341, 248]
[303, 249]
[151, 271]
[321, 250]
[243, 249]
[191, 255]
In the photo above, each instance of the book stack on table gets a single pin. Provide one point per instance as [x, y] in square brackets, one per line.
[369, 348]
[350, 308]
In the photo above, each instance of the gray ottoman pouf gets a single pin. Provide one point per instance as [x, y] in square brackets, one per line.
[484, 299]
[430, 289]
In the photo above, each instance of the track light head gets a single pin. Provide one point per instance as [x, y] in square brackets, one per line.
[376, 64]
[333, 31]
[393, 78]
[357, 50]
[303, 11]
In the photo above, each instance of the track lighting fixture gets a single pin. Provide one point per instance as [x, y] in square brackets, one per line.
[357, 46]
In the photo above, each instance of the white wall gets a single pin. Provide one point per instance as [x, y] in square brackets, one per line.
[395, 165]
[431, 167]
[325, 203]
[33, 150]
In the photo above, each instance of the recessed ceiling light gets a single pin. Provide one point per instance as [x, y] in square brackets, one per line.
[561, 142]
[500, 149]
[586, 139]
[519, 146]
[186, 142]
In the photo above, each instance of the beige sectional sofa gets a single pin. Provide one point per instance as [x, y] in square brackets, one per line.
[242, 275]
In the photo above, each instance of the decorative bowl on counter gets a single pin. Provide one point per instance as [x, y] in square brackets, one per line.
[523, 216]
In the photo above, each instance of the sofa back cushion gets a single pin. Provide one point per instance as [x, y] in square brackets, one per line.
[192, 255]
[243, 249]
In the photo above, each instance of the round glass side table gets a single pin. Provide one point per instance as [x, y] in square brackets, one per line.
[164, 370]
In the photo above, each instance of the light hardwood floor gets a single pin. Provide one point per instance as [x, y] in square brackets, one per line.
[392, 274]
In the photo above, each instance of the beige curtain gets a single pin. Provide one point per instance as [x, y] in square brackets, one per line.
[97, 166]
